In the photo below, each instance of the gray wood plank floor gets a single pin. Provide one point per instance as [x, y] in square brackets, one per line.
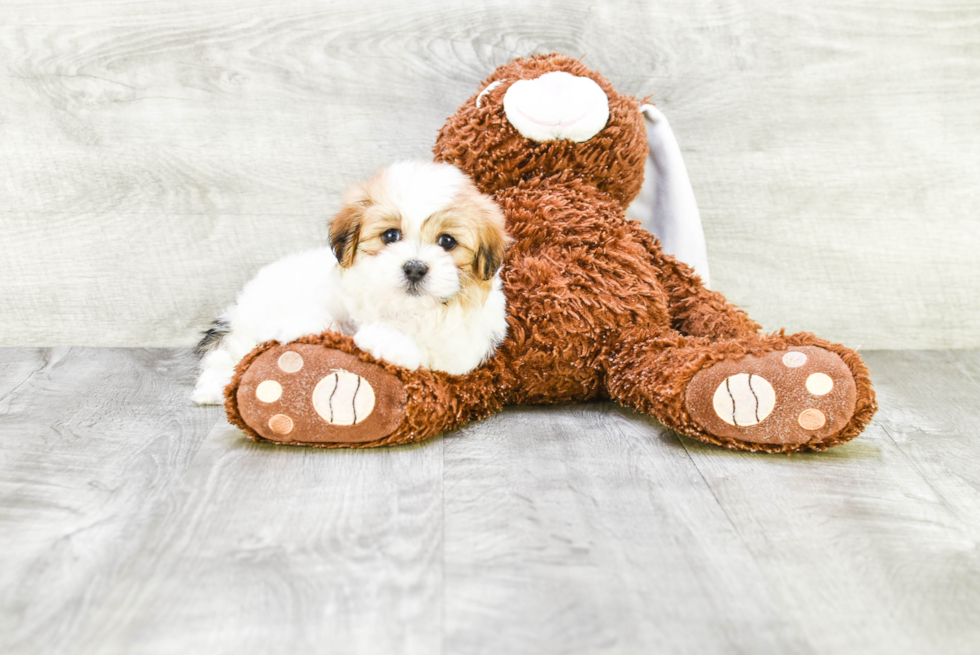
[132, 522]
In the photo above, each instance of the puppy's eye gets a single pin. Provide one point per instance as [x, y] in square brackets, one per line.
[446, 242]
[391, 236]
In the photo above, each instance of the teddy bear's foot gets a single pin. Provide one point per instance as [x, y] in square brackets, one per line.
[305, 394]
[801, 395]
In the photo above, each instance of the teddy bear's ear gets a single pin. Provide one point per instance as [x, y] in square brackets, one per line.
[345, 232]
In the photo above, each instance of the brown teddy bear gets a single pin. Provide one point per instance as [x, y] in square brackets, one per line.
[595, 310]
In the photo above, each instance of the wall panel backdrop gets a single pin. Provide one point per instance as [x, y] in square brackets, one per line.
[153, 155]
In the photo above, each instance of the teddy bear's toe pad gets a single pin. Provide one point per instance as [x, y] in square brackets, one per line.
[300, 393]
[790, 396]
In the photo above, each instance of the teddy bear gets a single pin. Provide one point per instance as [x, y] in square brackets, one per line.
[595, 309]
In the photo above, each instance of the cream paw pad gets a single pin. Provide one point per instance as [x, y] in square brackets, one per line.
[783, 397]
[351, 401]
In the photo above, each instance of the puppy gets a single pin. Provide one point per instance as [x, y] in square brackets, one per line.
[412, 273]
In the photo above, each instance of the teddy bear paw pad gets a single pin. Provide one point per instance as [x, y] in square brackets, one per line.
[790, 396]
[352, 401]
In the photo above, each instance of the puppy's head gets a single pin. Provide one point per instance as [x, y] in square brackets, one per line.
[421, 231]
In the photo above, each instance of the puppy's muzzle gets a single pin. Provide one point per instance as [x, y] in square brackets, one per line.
[414, 272]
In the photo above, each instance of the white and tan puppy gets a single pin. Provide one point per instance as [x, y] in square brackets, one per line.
[412, 273]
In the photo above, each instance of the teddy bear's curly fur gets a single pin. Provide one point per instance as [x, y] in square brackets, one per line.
[596, 312]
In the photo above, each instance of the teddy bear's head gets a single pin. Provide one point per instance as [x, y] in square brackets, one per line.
[545, 115]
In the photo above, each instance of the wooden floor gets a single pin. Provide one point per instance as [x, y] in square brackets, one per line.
[132, 523]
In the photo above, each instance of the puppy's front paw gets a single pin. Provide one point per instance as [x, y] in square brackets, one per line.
[205, 394]
[390, 345]
[217, 367]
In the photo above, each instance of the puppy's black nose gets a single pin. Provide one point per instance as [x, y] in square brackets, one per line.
[415, 270]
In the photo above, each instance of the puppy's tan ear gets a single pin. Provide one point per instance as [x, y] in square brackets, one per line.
[345, 231]
[493, 242]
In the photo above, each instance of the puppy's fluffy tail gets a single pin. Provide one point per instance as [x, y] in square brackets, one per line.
[212, 337]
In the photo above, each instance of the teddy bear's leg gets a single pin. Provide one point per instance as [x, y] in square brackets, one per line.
[761, 392]
[323, 391]
[698, 311]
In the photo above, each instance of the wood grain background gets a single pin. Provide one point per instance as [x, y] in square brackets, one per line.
[153, 155]
[134, 523]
